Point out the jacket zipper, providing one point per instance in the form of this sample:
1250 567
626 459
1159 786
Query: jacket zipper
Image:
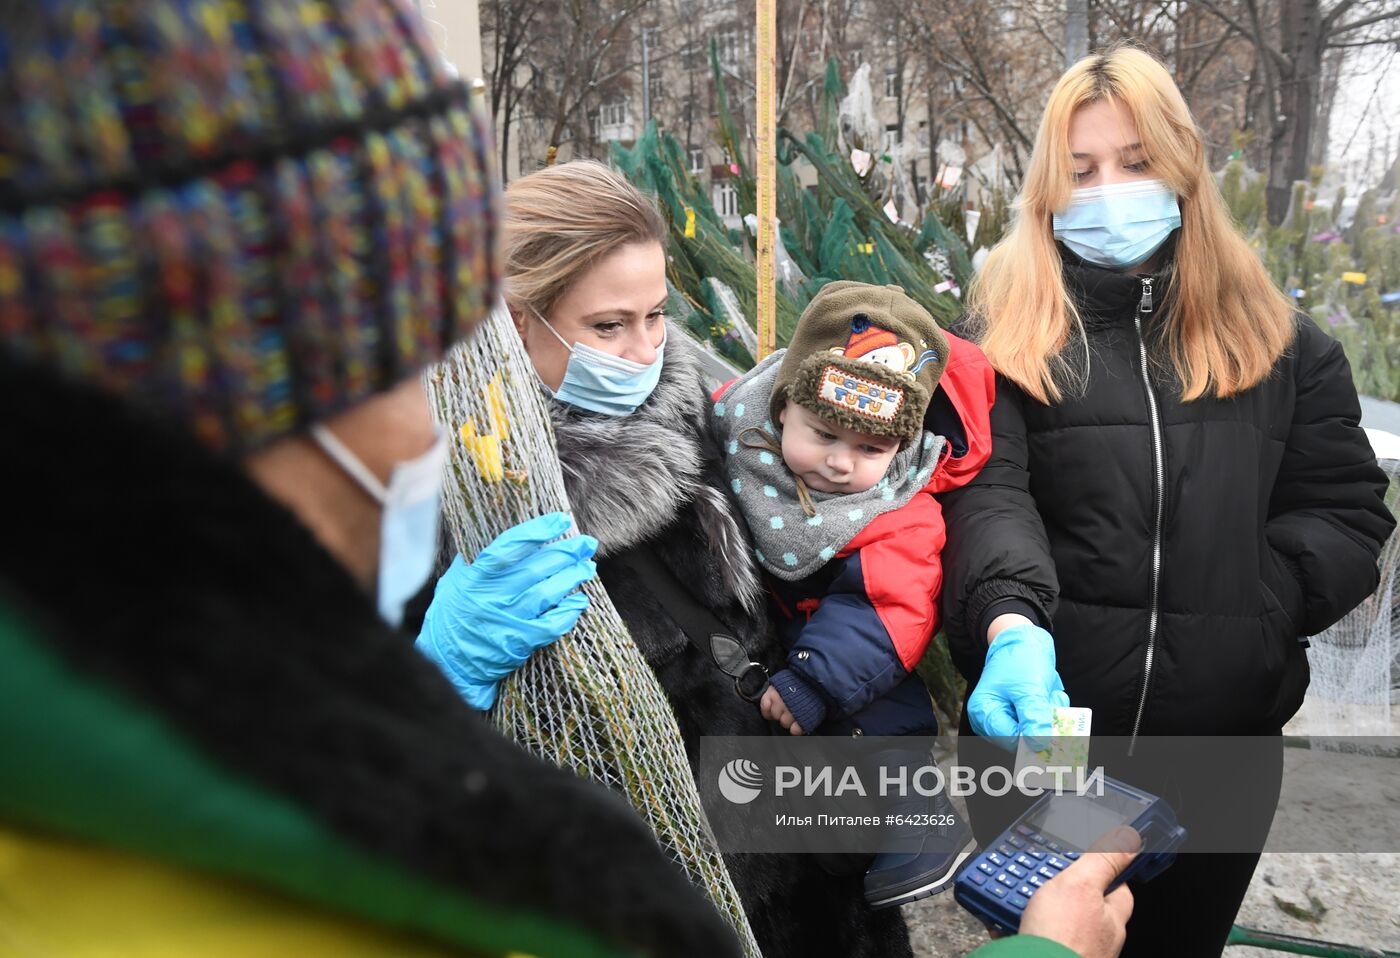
1159 475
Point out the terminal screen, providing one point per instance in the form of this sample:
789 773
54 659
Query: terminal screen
1079 820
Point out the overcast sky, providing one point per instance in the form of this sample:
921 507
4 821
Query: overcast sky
1366 115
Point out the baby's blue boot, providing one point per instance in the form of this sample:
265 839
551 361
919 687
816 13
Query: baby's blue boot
897 878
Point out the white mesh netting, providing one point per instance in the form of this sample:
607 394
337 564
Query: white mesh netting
589 702
859 124
733 314
1354 663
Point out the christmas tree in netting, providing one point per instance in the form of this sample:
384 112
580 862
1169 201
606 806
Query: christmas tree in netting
839 229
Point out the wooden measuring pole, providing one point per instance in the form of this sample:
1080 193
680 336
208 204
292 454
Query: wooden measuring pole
766 124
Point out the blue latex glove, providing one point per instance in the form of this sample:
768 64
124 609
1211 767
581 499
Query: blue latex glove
1019 685
487 617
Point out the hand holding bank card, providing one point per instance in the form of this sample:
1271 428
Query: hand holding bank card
1069 748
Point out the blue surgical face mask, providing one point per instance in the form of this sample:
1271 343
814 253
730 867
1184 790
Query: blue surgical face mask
408 528
1119 225
603 383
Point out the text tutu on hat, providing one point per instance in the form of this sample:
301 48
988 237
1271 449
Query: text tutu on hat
864 357
250 215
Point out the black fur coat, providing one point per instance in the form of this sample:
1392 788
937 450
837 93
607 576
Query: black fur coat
653 479
161 571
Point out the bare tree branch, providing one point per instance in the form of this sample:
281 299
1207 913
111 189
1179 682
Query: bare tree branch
1254 33
1335 14
1368 21
1377 42
1200 68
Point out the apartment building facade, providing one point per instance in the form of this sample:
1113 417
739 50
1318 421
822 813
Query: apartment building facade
912 118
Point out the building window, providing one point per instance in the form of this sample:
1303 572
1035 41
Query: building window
729 44
658 90
891 84
726 197
891 137
593 127
615 113
697 159
857 58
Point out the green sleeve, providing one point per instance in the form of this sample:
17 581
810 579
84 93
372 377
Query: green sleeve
1023 946
71 743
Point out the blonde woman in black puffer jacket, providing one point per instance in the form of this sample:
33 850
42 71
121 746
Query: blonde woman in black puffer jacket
1178 488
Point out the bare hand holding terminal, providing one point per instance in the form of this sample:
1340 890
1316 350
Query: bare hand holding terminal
1073 909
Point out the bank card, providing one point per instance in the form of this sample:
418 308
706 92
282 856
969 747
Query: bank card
1068 748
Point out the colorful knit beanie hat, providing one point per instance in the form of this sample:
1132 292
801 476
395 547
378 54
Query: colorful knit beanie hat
249 214
865 357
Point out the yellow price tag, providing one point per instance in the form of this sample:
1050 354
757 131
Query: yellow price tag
1358 278
486 455
689 223
496 408
485 452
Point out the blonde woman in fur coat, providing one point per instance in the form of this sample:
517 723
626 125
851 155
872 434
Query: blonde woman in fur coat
585 267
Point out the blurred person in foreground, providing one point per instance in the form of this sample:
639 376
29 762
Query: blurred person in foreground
222 225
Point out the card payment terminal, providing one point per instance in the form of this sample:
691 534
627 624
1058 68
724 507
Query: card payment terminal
999 882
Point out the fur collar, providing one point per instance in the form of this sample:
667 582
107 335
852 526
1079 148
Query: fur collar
628 478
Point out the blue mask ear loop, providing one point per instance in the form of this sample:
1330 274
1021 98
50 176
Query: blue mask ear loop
356 469
554 332
562 341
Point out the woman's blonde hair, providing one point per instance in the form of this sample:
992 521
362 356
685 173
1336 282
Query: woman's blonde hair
1226 323
563 219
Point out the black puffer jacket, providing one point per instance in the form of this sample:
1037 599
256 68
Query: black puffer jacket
1271 519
